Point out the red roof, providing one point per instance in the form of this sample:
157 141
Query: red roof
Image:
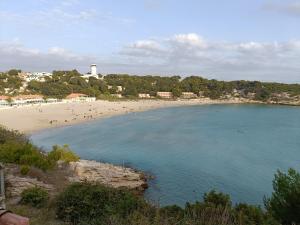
76 95
4 97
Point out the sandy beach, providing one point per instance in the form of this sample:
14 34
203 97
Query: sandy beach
32 118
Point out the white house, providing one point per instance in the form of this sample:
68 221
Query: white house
38 76
164 94
144 95
27 99
119 88
117 95
79 97
188 95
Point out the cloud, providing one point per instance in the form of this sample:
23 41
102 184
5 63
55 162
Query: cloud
192 54
180 54
15 55
289 8
62 14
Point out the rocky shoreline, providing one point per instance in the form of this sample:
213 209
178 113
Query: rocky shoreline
66 173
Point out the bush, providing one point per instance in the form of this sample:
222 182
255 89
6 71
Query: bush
217 199
24 169
16 148
284 203
36 197
63 153
11 135
92 203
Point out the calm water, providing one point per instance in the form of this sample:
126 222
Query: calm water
191 150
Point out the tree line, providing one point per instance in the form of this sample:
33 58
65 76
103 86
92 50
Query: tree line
63 83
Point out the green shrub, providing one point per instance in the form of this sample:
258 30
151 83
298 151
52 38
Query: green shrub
24 169
11 135
16 148
91 203
217 198
36 197
284 203
63 153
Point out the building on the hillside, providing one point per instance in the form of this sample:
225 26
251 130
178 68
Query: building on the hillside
119 89
92 73
27 99
37 76
144 95
4 100
94 70
79 97
188 95
164 94
117 95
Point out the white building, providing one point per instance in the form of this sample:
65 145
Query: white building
27 99
79 97
188 95
164 94
119 88
38 76
92 73
94 70
144 95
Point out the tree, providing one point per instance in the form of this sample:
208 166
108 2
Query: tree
176 92
13 72
217 199
284 203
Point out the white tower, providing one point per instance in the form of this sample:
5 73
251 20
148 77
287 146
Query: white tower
94 70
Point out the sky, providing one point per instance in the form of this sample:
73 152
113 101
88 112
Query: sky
226 40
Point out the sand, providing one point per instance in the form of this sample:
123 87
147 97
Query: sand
29 119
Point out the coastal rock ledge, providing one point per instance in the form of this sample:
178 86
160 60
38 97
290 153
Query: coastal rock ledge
107 174
66 173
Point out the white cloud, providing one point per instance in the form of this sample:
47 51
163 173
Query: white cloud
62 14
191 39
182 54
192 54
15 55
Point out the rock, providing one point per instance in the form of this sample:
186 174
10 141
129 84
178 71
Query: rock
83 170
15 185
107 174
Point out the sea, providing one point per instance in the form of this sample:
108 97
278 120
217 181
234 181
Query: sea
191 150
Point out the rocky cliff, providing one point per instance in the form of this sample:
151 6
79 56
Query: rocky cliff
65 173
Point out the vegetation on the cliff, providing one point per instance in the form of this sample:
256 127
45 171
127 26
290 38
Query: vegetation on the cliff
63 83
35 197
85 203
17 148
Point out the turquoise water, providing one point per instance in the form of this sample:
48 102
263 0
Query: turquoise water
191 150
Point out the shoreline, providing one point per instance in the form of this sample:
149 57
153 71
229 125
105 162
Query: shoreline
31 119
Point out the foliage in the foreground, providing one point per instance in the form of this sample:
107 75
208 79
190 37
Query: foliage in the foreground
63 153
284 203
95 204
35 197
24 170
38 216
16 148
